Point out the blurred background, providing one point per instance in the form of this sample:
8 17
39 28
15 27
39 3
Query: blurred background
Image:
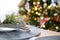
44 14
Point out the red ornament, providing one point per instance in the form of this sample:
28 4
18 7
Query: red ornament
59 19
56 18
46 18
42 22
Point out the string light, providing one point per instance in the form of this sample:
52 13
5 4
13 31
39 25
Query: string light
39 14
34 3
42 17
36 12
49 6
43 26
28 10
38 2
57 27
45 4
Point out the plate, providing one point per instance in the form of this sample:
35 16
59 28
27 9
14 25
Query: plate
3 29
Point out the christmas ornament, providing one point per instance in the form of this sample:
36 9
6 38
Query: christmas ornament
42 21
35 18
32 11
59 19
46 18
38 9
35 8
56 18
27 6
26 18
22 8
49 7
57 6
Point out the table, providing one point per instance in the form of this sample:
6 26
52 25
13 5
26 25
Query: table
49 38
46 33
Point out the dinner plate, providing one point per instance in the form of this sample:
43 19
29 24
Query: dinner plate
4 29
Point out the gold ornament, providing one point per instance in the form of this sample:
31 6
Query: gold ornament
39 9
32 8
49 7
28 12
32 11
57 6
35 8
22 8
35 18
26 18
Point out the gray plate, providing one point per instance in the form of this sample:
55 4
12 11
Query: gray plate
14 35
19 34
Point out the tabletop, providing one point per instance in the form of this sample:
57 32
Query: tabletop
45 33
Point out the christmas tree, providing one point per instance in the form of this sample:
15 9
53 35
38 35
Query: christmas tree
43 13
